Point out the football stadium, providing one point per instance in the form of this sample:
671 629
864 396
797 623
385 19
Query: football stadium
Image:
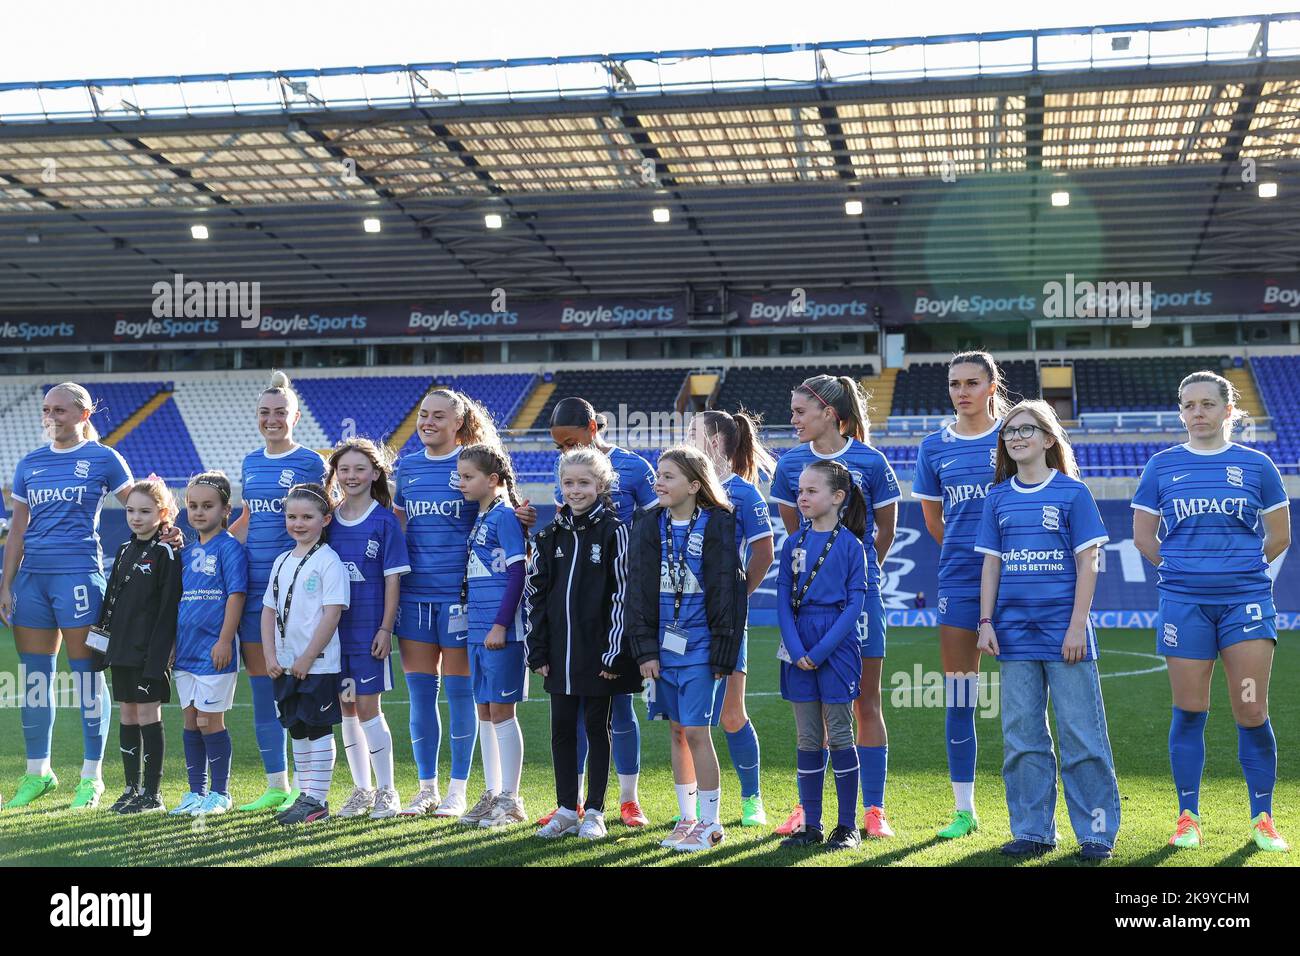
419 326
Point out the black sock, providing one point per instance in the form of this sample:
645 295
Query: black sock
128 736
152 755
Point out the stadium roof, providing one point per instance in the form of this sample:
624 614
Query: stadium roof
953 145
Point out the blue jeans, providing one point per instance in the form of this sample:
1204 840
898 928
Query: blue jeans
1029 762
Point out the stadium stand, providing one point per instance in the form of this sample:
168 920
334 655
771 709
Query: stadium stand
221 417
366 407
118 401
161 444
922 389
651 389
1278 379
766 390
1136 385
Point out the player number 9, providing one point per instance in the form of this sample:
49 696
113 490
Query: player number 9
82 597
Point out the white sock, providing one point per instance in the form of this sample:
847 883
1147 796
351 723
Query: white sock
40 766
456 788
510 744
709 801
582 788
317 771
686 793
278 780
964 794
487 746
92 770
627 787
354 745
430 784
301 756
380 744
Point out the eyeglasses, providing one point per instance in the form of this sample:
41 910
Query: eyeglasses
1012 432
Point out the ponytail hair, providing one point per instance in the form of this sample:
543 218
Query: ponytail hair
853 510
999 403
844 397
476 426
218 481
381 459
493 460
741 445
696 466
82 400
1060 456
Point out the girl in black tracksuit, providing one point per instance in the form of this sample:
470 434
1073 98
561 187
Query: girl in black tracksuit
139 615
575 636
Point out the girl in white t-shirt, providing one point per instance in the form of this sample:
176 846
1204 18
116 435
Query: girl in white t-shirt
304 600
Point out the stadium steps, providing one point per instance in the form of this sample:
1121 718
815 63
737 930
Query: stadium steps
1244 381
533 405
881 389
403 432
137 417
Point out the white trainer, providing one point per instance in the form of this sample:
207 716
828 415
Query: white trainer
452 806
474 814
427 799
386 805
593 826
562 823
507 810
680 832
703 836
358 803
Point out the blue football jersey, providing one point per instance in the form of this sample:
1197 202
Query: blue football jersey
438 519
210 573
958 470
1036 531
267 479
694 617
64 490
496 542
842 576
1209 503
753 522
870 471
371 548
633 488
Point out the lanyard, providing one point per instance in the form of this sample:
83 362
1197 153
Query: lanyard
110 599
469 551
283 619
796 599
676 563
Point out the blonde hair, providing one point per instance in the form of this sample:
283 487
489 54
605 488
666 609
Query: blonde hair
595 462
476 426
157 489
81 398
1059 456
280 385
696 466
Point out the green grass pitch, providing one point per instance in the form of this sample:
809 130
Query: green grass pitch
918 797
